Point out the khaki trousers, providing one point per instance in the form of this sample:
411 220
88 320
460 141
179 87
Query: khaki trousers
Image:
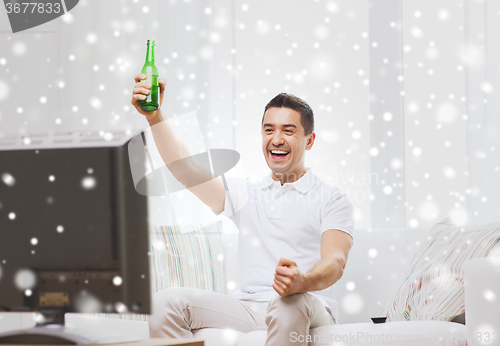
178 311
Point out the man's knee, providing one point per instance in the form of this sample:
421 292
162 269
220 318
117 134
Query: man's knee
173 298
293 306
294 301
167 303
289 309
170 316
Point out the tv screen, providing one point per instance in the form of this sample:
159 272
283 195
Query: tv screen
73 229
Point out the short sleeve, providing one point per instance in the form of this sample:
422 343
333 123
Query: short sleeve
338 213
236 196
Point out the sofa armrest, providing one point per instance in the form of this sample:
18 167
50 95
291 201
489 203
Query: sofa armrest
482 301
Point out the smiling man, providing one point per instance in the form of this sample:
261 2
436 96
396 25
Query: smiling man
295 234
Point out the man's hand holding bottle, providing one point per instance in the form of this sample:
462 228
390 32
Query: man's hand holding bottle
140 92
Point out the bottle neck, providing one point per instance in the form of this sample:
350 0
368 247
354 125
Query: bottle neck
150 54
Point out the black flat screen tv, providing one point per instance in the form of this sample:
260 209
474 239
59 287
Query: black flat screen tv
73 230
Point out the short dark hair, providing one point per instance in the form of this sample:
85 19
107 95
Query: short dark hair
297 104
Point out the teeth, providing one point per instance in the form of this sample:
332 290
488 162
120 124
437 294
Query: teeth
279 152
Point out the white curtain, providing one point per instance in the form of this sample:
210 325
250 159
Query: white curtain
434 80
410 134
482 52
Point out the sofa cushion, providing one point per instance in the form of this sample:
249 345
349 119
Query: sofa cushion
188 256
377 261
433 286
418 333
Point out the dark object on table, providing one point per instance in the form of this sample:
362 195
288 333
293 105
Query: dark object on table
459 319
379 319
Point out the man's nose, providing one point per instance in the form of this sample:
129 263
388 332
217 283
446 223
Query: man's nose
277 138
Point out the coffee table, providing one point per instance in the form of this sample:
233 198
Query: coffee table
161 342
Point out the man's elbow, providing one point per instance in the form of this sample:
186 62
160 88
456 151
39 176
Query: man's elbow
340 263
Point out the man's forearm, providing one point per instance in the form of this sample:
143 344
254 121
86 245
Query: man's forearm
324 274
175 153
169 145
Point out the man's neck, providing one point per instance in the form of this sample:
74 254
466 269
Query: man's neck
288 177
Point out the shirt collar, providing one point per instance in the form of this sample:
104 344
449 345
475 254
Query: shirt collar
302 185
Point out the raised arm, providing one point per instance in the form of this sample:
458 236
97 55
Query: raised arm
175 154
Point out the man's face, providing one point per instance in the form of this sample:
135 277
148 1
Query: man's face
284 142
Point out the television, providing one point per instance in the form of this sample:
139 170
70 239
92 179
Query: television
73 231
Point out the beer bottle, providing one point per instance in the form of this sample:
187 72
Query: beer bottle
151 103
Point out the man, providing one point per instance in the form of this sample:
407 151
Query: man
295 234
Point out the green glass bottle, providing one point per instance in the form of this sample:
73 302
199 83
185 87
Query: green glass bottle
151 103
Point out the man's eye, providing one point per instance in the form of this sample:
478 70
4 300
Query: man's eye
268 130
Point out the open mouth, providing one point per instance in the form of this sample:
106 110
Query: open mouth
279 154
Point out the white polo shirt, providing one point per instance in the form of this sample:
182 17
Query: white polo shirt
287 221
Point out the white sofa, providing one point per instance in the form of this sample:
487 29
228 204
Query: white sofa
376 263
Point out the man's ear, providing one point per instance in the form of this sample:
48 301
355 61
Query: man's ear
310 140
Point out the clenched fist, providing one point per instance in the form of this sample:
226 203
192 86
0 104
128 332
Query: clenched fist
288 279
